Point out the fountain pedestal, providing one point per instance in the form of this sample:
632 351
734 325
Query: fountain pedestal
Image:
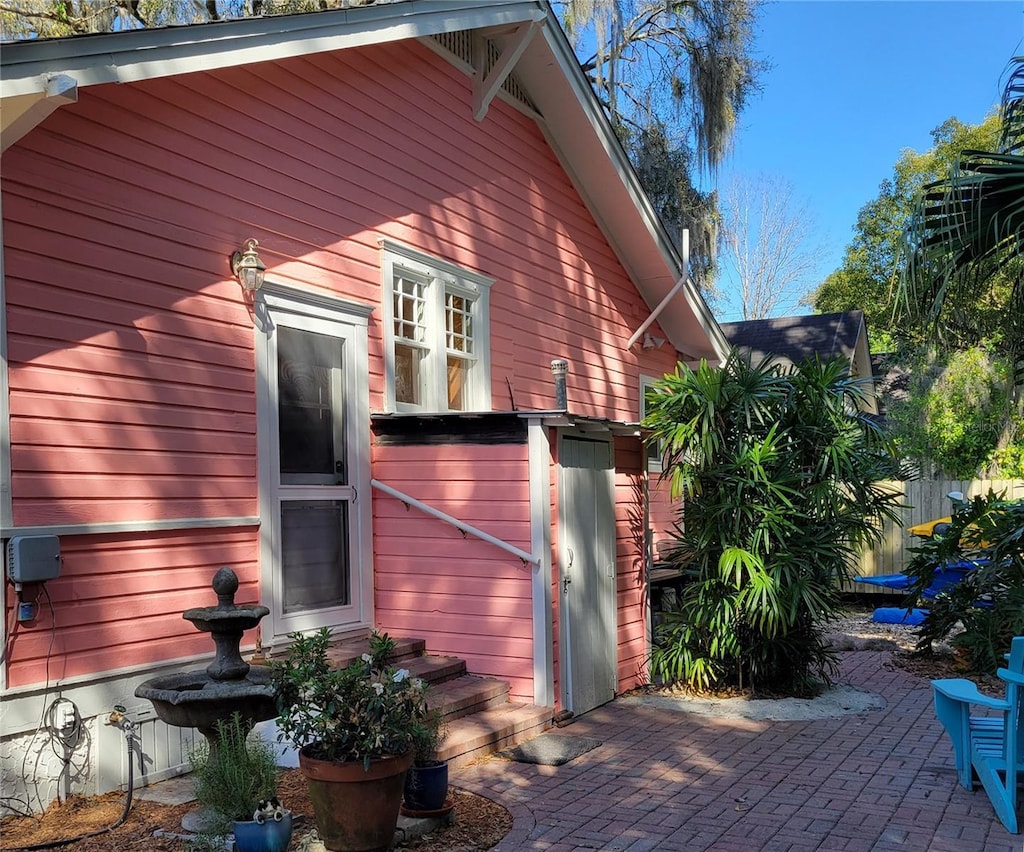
199 698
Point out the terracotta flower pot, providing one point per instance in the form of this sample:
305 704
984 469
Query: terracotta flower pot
356 809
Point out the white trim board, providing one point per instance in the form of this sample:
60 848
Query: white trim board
147 54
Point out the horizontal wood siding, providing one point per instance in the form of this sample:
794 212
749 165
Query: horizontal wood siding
130 345
464 596
125 417
631 579
663 513
119 600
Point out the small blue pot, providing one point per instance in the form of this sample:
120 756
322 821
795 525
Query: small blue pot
426 787
269 836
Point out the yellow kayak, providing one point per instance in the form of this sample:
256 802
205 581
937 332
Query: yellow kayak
927 529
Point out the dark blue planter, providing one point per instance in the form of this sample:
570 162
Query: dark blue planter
269 836
426 787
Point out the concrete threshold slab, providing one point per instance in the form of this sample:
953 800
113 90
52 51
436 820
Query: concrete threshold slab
174 791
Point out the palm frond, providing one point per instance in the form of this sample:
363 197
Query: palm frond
967 229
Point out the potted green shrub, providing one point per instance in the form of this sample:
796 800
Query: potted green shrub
354 729
236 782
426 783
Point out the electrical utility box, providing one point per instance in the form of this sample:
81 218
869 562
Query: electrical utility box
33 558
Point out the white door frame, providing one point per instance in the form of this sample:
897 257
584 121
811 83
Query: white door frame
280 305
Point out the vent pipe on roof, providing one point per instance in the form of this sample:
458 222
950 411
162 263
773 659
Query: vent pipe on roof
560 369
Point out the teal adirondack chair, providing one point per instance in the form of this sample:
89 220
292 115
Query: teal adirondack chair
990 747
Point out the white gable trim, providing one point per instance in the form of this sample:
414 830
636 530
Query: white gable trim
146 54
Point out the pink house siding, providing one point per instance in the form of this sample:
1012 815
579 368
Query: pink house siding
464 596
663 512
131 349
130 400
119 600
631 587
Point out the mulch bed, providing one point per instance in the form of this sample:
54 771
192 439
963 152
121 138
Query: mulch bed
478 823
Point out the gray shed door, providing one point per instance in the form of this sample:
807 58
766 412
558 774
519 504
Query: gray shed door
587 531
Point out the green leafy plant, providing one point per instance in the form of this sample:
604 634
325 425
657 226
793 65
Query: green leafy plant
232 779
781 481
988 603
956 411
428 733
1009 461
367 709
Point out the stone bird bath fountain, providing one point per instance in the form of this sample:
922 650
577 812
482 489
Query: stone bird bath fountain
198 698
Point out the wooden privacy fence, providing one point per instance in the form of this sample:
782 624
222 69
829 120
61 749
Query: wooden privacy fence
927 500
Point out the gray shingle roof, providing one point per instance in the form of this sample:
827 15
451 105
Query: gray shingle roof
797 338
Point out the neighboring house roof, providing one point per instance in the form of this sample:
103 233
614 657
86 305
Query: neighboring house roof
794 339
38 76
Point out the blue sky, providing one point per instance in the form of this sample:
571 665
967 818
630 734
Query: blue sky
853 83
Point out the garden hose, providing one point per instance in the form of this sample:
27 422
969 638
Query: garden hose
117 718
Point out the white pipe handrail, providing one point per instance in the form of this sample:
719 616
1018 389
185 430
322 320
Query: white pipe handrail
455 522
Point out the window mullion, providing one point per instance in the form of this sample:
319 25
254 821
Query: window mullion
438 371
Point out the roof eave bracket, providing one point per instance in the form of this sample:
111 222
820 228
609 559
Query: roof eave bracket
485 87
671 293
58 91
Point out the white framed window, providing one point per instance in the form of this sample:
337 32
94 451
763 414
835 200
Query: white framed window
654 448
436 322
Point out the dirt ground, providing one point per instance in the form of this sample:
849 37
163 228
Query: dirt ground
478 825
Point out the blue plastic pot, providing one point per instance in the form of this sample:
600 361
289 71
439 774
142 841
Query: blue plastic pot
426 787
268 836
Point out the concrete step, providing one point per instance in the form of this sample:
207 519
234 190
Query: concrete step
465 695
477 714
348 650
483 733
432 669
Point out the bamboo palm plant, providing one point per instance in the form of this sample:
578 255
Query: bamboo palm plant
782 482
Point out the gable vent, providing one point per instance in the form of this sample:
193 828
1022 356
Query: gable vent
459 45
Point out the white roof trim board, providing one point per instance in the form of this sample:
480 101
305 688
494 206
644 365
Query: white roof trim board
572 119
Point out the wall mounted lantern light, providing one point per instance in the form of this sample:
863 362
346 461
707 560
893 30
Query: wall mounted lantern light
247 267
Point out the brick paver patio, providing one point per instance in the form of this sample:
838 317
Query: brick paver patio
662 780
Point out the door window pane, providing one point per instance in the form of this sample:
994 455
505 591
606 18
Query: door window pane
314 554
309 403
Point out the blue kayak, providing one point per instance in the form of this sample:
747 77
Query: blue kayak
945 575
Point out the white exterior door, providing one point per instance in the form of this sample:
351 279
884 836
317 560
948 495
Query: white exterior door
589 657
314 465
